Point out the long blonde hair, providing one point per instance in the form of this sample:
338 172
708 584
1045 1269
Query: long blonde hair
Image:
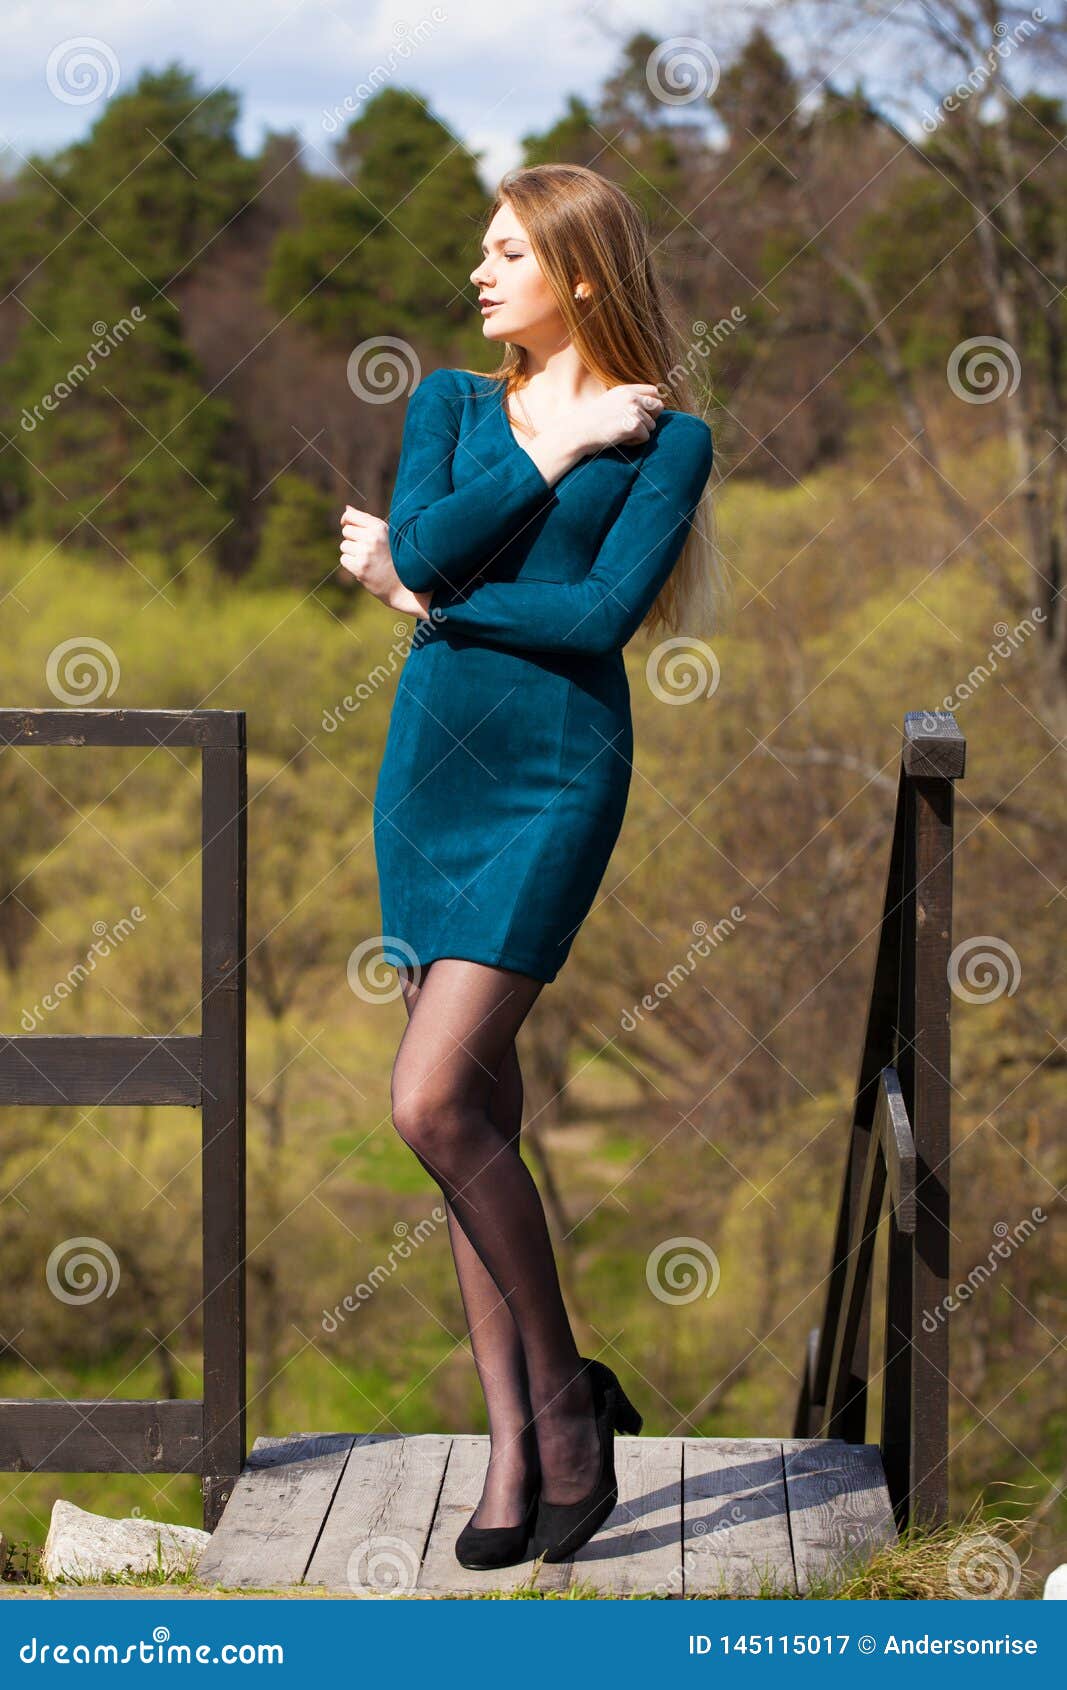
584 228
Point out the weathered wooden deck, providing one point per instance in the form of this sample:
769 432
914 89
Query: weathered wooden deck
378 1515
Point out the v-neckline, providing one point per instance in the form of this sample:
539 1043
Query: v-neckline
505 423
502 394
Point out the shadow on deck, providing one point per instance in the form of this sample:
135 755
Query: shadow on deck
379 1514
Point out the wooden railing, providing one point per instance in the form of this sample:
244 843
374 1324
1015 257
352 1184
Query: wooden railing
900 1131
205 1071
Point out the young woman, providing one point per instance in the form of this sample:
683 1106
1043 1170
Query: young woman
540 515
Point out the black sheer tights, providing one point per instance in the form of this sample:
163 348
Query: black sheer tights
457 1102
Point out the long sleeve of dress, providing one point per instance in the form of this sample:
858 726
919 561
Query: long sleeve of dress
438 535
601 612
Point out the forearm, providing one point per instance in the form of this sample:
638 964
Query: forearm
533 615
447 541
601 612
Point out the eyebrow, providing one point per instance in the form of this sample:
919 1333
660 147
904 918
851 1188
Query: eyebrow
501 239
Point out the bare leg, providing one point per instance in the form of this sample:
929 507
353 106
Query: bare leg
466 1016
514 1468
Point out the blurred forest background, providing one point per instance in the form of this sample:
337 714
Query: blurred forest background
870 298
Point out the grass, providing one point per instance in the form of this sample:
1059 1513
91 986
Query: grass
976 1557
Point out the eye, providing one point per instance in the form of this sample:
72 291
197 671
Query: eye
513 255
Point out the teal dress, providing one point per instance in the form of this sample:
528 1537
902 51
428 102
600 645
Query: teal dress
509 753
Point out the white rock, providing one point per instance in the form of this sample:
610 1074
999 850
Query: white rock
86 1546
1056 1583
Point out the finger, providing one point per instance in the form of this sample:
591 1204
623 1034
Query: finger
359 518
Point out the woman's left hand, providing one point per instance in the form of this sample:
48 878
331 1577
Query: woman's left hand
365 554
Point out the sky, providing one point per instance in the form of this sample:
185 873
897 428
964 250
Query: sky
490 70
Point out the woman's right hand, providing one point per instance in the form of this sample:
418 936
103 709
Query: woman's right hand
623 416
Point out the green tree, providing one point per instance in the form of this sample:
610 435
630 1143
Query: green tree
388 249
298 546
116 440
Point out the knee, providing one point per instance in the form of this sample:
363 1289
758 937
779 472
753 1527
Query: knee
430 1121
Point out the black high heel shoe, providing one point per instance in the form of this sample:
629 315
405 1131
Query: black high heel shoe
562 1527
497 1546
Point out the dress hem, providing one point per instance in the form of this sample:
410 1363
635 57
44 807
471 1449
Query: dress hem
492 959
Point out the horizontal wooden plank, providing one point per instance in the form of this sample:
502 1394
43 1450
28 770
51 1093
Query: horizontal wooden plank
122 727
377 1514
375 1535
74 1068
272 1521
735 1525
638 1549
119 1435
839 1508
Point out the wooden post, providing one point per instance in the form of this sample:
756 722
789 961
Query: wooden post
931 1117
223 872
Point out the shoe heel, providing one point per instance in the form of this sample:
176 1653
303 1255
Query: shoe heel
627 1419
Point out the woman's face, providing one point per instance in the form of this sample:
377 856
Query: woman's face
526 312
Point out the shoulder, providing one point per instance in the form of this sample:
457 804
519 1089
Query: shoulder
443 393
681 439
683 428
438 384
455 383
